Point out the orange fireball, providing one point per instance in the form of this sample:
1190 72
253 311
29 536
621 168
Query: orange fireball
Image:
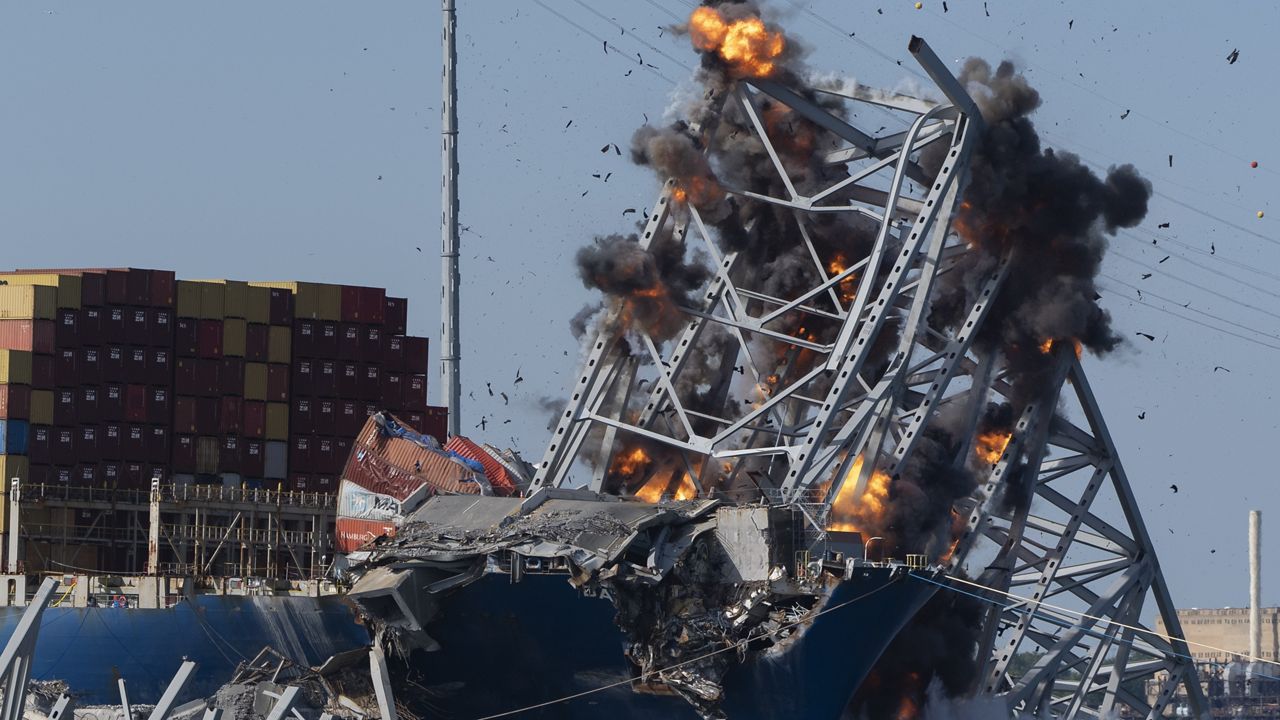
748 47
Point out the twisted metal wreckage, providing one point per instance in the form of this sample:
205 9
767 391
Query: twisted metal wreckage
1053 534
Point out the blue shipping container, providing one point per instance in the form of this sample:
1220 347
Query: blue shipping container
13 437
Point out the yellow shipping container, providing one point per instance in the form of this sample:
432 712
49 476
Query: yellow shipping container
277 421
28 302
67 286
14 466
15 367
255 381
279 340
188 299
212 301
233 337
235 296
312 301
41 407
257 304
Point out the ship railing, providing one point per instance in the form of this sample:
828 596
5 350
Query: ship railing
178 493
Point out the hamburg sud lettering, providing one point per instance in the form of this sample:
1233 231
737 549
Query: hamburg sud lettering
357 502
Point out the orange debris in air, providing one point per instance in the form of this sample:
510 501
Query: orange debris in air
850 513
991 445
748 47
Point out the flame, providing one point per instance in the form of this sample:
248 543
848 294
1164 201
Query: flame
630 463
907 707
660 485
991 445
848 513
746 46
848 287
1047 346
698 190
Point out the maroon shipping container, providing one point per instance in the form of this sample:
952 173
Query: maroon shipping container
351 304
207 371
90 325
93 289
40 474
66 327
136 331
254 463
87 444
184 376
64 367
64 406
131 476
135 403
348 380
392 390
160 327
230 455
163 288
324 416
207 411
255 419
395 318
135 365
300 454
370 409
117 287
277 383
435 422
42 372
393 353
322 456
86 475
370 382
257 342
280 309
324 483
15 403
158 444
111 402
63 475
209 338
109 474
87 409
415 419
373 305
371 339
415 354
134 442
299 482
111 441
304 377
159 409
113 325
230 415
326 340
184 415
304 338
160 367
186 337
139 287
89 366
111 360
341 449
30 335
40 444
325 380
64 444
350 418
184 454
231 376
415 392
300 416
348 342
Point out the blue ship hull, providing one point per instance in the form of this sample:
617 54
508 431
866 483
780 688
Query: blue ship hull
87 647
507 646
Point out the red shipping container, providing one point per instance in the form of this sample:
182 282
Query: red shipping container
349 380
255 419
350 418
87 410
137 330
30 335
299 482
325 380
111 402
134 443
415 392
348 342
89 366
66 330
40 444
64 444
300 421
42 372
300 454
64 367
303 378
392 390
64 406
93 289
184 415
131 476
86 475
117 287
40 474
304 338
371 344
277 383
416 420
135 403
341 449
370 409
254 463
186 337
111 441
415 354
15 403
158 444
139 286
112 362
87 444
230 415
184 377
324 416
113 324
257 342
231 376
326 340
109 474
351 304
230 455
396 315
63 475
322 456
135 365
281 307
163 287
207 384
324 484
209 340
160 367
160 327
393 353
184 454
207 411
90 325
159 410
370 382
373 305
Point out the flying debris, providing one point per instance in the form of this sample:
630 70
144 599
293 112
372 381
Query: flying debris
985 10
628 211
1170 161
518 378
1260 214
1148 336
1146 275
566 125
1163 225
484 423
944 6
1253 164
1166 257
505 400
1232 57
1125 114
1174 488
1212 250
1142 415
490 387
919 6
606 47
1070 23
1216 368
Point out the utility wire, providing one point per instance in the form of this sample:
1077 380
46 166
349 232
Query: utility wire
642 41
1143 293
1202 266
1199 251
1198 286
1197 322
605 43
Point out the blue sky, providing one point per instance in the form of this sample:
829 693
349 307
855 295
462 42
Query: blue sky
300 140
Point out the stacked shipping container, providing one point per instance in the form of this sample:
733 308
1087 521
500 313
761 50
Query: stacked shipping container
112 377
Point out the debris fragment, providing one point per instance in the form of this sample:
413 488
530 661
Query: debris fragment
1148 336
1163 225
1232 57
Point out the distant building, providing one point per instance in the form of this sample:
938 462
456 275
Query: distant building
1228 629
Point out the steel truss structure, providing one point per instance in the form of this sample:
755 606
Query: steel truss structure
1053 544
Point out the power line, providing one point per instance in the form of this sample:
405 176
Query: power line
1193 321
1206 268
618 25
605 43
1216 257
1198 286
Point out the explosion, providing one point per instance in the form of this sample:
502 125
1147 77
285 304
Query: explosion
991 445
850 513
748 47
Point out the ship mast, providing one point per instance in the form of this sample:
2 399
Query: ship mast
450 350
